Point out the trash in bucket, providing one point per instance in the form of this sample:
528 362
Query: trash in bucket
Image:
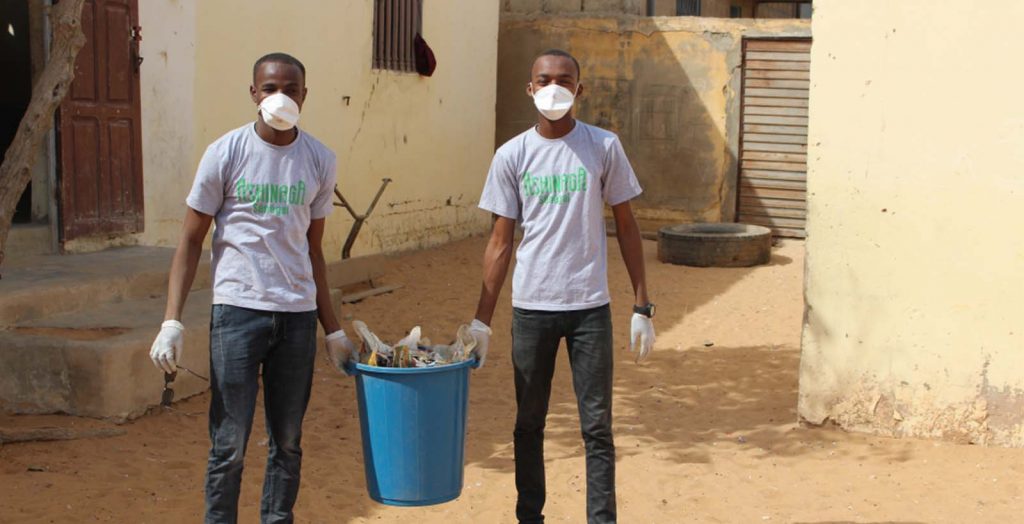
413 418
413 350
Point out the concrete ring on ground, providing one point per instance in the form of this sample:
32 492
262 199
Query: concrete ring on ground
719 244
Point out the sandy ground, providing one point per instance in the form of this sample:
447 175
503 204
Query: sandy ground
705 433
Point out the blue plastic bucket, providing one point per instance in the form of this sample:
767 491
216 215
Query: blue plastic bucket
413 424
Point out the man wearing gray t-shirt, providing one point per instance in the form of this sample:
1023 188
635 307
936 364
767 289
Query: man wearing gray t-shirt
268 187
554 180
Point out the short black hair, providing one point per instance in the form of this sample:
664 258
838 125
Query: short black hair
281 58
560 52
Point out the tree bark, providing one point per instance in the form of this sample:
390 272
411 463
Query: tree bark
47 94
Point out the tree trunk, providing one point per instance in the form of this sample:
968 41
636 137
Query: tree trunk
47 94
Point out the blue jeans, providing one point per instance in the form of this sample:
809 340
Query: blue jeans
244 343
588 338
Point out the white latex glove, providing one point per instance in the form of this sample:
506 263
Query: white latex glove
482 333
341 350
642 329
168 346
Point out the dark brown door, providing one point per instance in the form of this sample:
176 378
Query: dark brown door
100 133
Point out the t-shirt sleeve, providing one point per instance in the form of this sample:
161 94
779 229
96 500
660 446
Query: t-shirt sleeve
620 183
208 189
501 192
323 203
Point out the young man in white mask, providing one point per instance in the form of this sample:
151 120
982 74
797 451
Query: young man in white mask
555 180
268 187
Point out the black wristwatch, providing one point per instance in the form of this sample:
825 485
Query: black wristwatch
647 311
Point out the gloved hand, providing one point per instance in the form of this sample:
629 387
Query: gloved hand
642 329
168 346
341 350
482 333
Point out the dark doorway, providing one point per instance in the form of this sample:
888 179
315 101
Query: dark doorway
16 64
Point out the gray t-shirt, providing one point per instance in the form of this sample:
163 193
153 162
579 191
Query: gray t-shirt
557 189
262 198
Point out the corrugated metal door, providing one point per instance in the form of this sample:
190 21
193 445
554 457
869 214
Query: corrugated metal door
773 145
100 133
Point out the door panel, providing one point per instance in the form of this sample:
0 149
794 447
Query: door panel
100 132
773 145
84 141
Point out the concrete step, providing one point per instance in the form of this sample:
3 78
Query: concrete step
96 362
40 286
75 331
28 240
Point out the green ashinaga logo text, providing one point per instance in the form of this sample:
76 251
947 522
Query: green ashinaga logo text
554 189
271 199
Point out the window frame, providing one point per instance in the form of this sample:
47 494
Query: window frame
693 5
395 26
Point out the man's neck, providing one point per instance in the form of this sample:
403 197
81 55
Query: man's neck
273 136
557 128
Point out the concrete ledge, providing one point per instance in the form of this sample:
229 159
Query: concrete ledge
28 240
75 330
38 287
350 271
96 363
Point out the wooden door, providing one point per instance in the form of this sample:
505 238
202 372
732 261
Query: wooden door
100 127
773 145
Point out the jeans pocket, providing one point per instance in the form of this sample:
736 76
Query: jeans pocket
217 316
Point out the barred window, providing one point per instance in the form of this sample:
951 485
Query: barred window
783 10
395 24
688 7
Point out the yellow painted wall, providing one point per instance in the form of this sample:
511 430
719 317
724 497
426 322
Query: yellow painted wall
776 10
715 8
432 136
915 258
720 8
708 8
167 86
593 7
669 87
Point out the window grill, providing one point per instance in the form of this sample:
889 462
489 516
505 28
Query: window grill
688 7
395 24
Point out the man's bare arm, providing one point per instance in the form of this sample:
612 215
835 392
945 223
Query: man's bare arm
325 311
497 258
632 248
185 262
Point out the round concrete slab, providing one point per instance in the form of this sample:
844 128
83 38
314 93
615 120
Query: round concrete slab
715 244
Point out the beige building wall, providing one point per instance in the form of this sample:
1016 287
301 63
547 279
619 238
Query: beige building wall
774 10
669 87
432 136
915 258
716 8
566 7
169 116
708 8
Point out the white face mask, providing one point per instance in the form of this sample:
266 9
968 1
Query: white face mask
279 111
554 101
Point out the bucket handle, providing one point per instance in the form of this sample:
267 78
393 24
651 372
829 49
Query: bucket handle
350 369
